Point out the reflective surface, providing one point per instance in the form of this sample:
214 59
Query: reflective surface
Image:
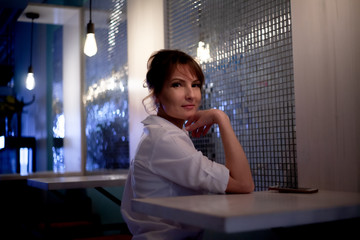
249 75
106 93
58 120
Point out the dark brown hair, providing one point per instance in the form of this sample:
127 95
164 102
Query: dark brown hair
162 64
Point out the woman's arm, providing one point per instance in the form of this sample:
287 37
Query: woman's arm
240 180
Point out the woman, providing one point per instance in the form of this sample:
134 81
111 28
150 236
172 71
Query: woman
166 162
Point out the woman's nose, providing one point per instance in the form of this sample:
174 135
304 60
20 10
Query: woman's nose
189 94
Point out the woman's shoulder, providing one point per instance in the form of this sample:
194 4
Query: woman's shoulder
160 129
161 137
159 123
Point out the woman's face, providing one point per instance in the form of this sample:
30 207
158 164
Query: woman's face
180 96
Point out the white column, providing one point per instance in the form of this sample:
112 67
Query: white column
72 92
145 35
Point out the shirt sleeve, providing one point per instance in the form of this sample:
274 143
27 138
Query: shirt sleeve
175 158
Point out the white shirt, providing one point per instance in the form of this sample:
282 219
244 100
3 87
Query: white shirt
167 164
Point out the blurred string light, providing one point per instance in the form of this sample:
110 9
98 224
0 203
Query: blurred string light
114 22
112 83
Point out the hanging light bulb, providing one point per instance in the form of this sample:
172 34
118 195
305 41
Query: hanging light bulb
30 79
90 47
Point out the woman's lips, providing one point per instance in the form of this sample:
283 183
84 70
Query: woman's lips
188 106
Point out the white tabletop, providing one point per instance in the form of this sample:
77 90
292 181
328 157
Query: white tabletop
255 211
91 181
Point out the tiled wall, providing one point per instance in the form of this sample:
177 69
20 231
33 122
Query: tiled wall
249 75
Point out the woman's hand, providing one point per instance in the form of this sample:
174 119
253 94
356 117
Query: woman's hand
200 123
240 180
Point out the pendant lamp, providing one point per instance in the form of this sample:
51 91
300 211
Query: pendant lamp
90 47
30 79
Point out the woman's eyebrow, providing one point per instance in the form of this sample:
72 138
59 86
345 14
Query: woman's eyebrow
177 79
182 79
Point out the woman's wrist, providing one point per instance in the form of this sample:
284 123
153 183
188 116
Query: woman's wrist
219 116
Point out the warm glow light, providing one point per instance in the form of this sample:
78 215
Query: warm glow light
105 85
203 52
90 47
2 142
30 81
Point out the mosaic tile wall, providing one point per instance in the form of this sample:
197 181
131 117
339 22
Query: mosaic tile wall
245 50
106 92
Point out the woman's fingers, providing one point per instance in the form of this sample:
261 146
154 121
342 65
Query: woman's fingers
192 124
207 128
199 129
200 124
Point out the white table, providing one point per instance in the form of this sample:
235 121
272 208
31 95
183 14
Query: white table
91 181
255 211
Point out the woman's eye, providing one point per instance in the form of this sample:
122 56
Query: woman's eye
175 85
197 85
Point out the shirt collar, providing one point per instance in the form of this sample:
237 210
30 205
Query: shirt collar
154 119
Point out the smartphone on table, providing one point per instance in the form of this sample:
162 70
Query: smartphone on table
293 190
